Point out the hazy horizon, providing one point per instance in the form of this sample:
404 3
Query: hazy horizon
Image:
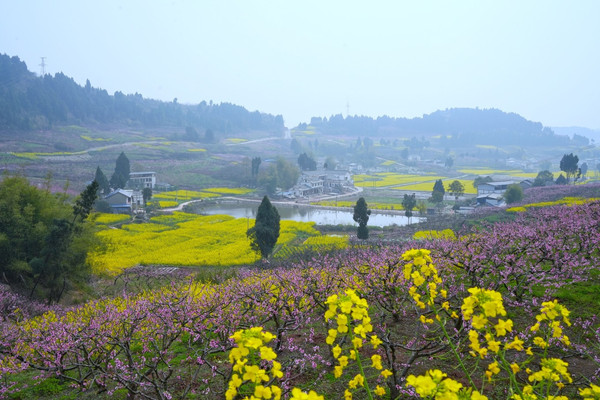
537 59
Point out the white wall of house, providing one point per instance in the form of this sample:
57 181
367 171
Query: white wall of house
143 179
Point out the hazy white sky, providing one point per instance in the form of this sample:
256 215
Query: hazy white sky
540 59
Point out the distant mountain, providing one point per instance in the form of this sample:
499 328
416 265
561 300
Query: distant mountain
571 131
459 125
31 102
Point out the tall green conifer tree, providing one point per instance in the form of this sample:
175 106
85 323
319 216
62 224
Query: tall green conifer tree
265 232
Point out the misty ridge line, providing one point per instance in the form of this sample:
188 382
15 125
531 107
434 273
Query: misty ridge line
29 102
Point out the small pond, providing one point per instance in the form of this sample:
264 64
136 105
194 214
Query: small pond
320 216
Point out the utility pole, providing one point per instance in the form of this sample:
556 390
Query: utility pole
43 65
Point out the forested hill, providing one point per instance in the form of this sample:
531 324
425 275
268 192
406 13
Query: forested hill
460 125
31 102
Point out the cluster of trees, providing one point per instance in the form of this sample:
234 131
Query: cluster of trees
44 239
119 178
280 174
306 162
569 164
30 102
461 125
456 188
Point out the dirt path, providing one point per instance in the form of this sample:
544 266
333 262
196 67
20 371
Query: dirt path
254 141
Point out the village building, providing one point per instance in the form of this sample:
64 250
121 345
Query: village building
142 179
491 199
493 187
318 182
492 193
500 187
123 201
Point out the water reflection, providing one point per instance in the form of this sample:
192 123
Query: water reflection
306 214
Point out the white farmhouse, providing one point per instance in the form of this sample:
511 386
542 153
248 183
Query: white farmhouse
324 181
142 179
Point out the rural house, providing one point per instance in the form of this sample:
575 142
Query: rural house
493 187
500 187
142 179
124 201
491 199
318 182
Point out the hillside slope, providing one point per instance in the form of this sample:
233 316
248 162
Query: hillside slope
30 102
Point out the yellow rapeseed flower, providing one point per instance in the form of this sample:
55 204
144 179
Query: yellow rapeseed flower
375 341
503 326
298 394
591 393
267 353
255 374
376 360
386 373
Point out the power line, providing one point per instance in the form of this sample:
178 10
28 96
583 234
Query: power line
43 65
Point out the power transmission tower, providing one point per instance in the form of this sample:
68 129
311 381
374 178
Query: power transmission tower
43 65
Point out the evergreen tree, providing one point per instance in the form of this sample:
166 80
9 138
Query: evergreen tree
439 186
121 175
103 184
361 215
265 232
437 196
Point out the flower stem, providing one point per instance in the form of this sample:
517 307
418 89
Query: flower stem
464 368
362 372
